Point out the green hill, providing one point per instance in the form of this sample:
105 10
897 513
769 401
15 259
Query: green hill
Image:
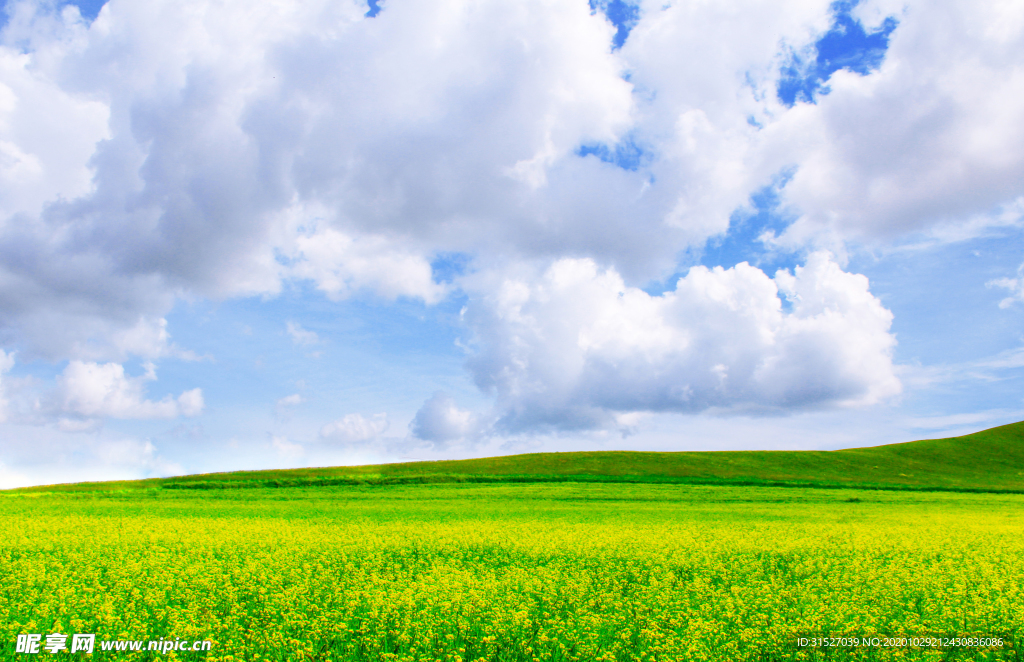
990 460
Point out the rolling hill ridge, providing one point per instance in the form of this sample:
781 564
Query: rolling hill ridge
989 461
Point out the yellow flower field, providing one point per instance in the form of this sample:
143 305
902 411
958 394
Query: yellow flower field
515 572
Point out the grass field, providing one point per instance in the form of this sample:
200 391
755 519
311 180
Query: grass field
524 571
990 460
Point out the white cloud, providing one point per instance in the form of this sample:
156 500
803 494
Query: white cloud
1015 285
355 428
43 155
201 149
47 455
200 128
217 149
576 347
290 401
140 455
439 420
356 179
148 339
994 368
190 403
930 139
287 449
102 390
301 336
702 71
341 264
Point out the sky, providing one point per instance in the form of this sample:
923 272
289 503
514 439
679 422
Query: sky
241 235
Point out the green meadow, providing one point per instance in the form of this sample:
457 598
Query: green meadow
911 551
990 460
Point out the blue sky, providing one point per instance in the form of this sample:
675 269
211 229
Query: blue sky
246 236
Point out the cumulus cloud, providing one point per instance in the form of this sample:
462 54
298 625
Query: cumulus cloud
84 394
43 156
223 149
355 428
928 140
305 140
340 265
208 162
148 338
102 390
576 347
439 420
703 122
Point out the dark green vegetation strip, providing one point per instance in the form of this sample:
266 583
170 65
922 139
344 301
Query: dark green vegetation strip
987 461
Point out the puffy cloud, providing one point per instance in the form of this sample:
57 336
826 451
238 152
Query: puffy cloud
576 347
220 149
210 137
43 156
355 428
439 420
214 149
190 403
148 339
928 140
703 72
102 390
84 394
340 264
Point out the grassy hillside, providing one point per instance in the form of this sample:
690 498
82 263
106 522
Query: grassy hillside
988 460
